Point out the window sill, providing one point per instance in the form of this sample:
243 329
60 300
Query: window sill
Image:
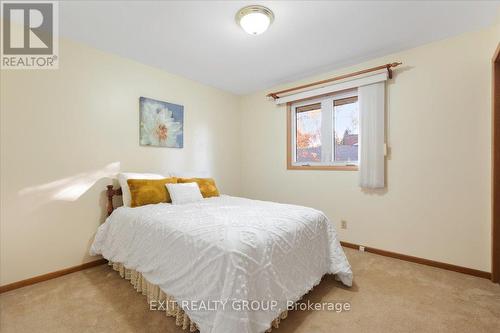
323 167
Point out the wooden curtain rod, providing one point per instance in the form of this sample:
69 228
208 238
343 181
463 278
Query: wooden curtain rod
389 67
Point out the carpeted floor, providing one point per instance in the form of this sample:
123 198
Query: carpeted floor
389 295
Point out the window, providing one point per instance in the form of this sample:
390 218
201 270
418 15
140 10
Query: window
308 133
346 120
323 133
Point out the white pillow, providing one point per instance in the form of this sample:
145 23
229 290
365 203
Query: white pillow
123 177
184 193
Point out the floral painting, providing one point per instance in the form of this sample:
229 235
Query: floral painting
161 123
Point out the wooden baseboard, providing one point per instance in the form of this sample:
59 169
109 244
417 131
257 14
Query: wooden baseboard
52 275
422 261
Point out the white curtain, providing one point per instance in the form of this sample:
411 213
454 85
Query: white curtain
372 135
334 87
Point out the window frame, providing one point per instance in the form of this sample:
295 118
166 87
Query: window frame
328 100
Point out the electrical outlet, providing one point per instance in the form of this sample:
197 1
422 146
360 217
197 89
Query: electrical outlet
343 224
362 248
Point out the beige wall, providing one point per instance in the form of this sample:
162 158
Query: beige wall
64 132
437 203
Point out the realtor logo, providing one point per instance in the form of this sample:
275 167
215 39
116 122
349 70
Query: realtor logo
29 35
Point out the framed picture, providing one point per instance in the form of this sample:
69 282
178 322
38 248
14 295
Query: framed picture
161 123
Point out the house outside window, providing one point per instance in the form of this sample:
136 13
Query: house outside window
323 133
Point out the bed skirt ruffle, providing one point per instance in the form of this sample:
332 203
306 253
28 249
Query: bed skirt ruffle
155 294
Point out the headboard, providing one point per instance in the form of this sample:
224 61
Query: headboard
110 193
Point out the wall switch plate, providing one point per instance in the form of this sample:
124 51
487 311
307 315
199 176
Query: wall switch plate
343 224
362 248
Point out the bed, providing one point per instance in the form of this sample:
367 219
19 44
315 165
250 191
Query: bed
223 264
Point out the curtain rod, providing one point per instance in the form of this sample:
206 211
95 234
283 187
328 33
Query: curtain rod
389 67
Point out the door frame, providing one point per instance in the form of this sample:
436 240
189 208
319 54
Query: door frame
495 156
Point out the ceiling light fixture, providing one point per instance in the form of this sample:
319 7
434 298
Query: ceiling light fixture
254 19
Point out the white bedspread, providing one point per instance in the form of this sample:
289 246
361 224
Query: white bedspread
226 248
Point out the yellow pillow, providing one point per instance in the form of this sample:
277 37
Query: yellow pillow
207 186
149 191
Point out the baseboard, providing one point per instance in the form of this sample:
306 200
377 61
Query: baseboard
52 275
422 261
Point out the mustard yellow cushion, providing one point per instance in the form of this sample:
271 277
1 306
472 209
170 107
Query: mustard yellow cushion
149 191
207 186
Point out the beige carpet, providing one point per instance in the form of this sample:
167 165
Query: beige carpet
389 295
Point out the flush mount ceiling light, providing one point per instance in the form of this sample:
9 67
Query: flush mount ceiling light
254 19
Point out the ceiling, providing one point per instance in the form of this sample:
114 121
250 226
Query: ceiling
200 40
